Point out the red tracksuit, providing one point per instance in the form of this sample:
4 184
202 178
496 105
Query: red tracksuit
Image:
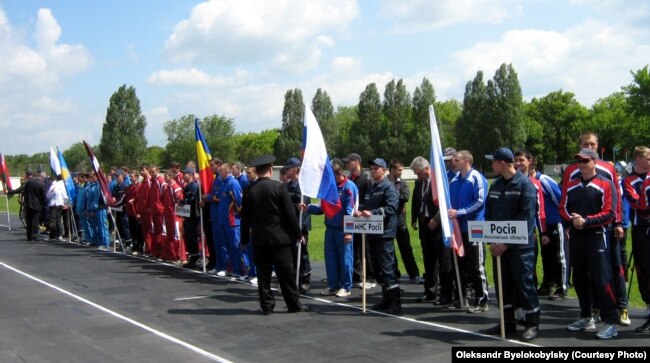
156 212
173 248
142 208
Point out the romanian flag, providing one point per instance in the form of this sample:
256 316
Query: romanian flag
101 178
203 155
67 178
316 174
4 171
451 234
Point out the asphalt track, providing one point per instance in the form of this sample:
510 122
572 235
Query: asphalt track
64 302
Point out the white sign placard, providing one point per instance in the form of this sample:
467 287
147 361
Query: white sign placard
183 210
370 225
510 232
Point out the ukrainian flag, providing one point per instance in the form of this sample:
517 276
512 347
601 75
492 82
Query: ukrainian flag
203 155
67 178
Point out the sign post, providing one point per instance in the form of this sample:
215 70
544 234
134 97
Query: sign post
365 225
506 232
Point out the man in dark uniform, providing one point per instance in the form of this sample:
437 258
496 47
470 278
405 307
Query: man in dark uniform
382 199
267 213
292 170
34 200
191 224
512 196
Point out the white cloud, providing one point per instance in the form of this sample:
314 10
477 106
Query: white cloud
346 65
592 59
31 104
252 32
195 77
419 15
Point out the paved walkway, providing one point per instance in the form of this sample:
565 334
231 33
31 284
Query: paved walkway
63 302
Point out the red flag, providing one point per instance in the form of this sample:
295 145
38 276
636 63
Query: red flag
4 170
101 178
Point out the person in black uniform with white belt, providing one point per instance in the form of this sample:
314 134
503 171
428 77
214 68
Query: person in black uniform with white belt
267 213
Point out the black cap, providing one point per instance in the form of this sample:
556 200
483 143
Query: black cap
502 154
29 173
338 162
263 160
352 157
379 162
586 153
293 162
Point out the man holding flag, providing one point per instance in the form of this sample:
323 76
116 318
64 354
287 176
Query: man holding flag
513 197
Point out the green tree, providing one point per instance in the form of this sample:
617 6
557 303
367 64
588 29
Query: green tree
448 113
123 141
155 155
423 96
397 115
638 100
368 127
250 145
616 127
181 142
505 107
345 118
560 115
473 126
321 106
76 157
289 142
534 136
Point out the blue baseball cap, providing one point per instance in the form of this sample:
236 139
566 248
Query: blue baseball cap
379 162
502 154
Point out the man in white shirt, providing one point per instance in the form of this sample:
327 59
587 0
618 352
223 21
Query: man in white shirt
56 195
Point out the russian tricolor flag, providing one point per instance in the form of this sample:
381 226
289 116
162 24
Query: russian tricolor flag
451 234
316 176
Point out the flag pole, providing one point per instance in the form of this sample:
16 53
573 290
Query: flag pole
299 246
363 273
198 180
500 282
458 282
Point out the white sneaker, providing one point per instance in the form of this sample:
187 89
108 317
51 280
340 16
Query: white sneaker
607 332
60 239
221 273
582 324
253 281
342 293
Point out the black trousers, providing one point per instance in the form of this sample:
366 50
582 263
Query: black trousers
438 276
403 239
555 264
472 270
207 231
280 257
136 234
33 217
191 228
54 220
592 274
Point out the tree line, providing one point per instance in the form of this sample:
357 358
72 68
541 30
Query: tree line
493 113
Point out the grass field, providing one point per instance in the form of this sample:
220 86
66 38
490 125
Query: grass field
316 238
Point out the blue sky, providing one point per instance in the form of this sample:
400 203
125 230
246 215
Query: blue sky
60 61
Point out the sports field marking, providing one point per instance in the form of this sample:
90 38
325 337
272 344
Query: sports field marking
168 337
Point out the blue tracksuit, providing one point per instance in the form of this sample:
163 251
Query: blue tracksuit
339 256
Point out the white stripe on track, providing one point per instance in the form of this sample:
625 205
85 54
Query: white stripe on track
122 317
